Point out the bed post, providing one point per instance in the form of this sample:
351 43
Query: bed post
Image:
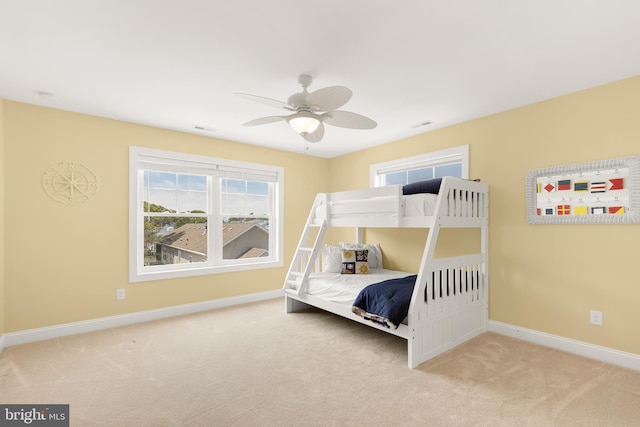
293 305
417 308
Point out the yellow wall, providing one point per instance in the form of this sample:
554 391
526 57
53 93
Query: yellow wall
542 277
66 262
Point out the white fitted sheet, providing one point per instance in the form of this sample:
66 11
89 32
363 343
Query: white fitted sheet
344 288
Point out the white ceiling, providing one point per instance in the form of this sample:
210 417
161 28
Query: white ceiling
178 64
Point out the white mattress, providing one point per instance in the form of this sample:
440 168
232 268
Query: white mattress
422 204
343 288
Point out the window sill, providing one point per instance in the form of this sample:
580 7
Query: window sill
145 276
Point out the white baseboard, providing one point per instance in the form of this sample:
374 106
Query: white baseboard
591 351
39 334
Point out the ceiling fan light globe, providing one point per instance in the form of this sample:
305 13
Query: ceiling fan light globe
304 124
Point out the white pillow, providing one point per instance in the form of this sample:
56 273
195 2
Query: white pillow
331 259
375 253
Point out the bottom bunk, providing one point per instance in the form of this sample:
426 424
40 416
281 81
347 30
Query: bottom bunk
336 293
447 304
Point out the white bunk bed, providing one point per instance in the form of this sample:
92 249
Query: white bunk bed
449 302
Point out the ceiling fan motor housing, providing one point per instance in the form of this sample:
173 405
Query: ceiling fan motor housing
298 100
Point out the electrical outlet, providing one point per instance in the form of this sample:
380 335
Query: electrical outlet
120 294
596 317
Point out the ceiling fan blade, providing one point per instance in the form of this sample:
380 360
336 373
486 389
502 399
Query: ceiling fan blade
328 98
347 119
263 120
316 135
266 101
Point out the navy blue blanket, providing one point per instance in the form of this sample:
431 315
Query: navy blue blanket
386 302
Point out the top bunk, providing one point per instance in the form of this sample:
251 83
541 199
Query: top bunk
452 202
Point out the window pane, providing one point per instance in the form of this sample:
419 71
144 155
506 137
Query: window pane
419 175
245 197
233 186
192 201
165 200
153 179
395 178
175 240
241 205
257 187
192 182
257 205
153 208
449 170
245 239
172 192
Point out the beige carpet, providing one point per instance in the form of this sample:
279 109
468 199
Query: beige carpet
255 365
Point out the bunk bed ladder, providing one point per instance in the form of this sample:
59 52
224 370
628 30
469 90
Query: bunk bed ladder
305 257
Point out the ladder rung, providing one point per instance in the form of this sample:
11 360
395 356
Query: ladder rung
305 249
297 274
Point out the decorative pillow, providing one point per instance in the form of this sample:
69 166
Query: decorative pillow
331 259
375 253
428 186
354 261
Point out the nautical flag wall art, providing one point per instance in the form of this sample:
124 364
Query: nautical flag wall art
547 187
616 184
584 193
596 192
616 210
548 211
598 186
581 186
580 210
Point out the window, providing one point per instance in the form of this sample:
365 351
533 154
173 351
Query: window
450 162
192 215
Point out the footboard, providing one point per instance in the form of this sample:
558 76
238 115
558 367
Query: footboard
449 306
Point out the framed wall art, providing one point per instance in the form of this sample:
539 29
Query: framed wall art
600 192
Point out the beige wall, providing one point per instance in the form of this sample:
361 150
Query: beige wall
542 277
64 263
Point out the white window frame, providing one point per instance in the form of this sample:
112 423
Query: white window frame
138 272
458 154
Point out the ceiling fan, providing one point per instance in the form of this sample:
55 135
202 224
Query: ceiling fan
311 110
